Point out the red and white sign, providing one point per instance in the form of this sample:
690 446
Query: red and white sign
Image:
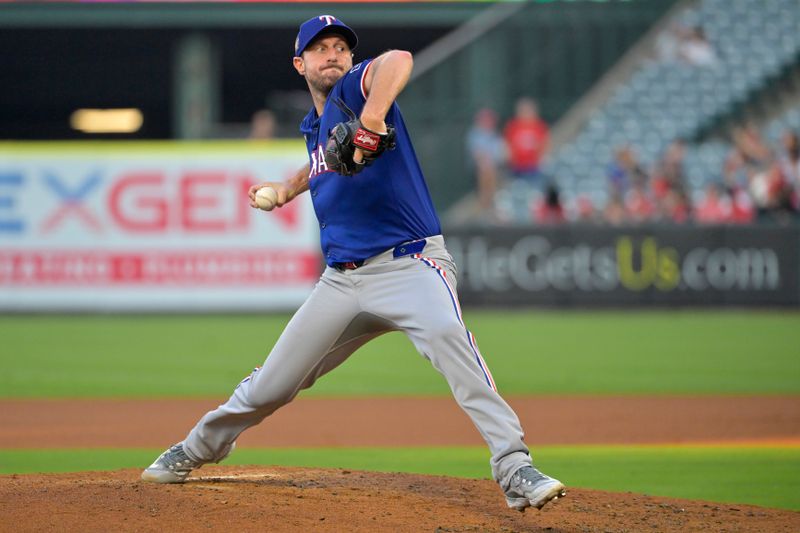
160 227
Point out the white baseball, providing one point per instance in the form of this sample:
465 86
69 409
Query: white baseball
266 198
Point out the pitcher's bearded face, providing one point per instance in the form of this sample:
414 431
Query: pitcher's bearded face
324 62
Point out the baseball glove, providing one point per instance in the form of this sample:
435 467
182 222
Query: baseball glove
345 137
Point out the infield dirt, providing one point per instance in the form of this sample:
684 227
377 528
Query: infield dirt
278 499
408 421
300 500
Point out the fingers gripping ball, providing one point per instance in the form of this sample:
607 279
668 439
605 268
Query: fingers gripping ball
266 198
346 137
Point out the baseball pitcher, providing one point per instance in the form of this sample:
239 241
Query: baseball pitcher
387 267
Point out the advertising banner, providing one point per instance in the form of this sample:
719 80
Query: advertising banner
658 265
151 227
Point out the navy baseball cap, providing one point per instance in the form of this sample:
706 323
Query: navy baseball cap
310 29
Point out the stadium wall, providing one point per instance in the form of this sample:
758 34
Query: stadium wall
154 226
579 266
164 226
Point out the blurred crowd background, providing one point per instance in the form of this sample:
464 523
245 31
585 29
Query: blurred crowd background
524 112
757 180
579 152
703 128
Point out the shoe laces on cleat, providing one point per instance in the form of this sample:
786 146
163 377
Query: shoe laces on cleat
527 477
176 460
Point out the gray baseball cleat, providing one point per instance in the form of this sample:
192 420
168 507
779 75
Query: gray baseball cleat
173 466
531 488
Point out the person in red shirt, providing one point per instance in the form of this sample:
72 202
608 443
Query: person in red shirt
715 207
528 139
742 211
676 207
639 205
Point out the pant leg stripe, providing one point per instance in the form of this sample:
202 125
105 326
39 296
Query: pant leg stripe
470 337
245 380
442 274
482 361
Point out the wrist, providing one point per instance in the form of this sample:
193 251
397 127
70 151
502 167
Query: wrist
373 122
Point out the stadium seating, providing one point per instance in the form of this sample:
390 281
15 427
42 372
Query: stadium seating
666 99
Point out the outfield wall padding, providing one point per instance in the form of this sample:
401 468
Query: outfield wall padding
578 266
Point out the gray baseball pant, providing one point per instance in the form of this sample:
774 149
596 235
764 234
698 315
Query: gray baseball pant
414 293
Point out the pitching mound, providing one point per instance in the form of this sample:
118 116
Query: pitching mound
296 499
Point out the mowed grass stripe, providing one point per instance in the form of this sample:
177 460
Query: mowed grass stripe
766 476
529 352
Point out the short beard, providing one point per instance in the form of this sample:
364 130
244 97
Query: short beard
322 84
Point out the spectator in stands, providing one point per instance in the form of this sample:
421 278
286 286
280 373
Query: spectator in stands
549 209
583 210
262 125
670 170
750 143
487 152
676 207
695 49
528 139
639 205
750 155
733 170
772 194
715 207
685 44
624 171
614 211
789 162
668 42
742 211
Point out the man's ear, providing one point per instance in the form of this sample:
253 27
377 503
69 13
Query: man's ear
299 65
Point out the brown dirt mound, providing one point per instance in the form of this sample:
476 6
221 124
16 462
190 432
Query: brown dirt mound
293 499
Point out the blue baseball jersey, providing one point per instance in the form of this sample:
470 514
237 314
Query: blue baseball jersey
384 205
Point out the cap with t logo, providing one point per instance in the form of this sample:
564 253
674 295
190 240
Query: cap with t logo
316 26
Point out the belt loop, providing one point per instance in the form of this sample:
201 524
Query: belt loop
348 265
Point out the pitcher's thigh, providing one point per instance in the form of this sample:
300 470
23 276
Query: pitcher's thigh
311 334
421 300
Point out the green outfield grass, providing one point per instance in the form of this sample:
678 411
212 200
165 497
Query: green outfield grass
759 476
529 352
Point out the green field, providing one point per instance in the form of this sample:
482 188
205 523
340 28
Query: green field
649 352
528 353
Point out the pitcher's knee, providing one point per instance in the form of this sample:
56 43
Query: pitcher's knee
263 395
272 399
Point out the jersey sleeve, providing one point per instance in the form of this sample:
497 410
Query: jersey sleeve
353 89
